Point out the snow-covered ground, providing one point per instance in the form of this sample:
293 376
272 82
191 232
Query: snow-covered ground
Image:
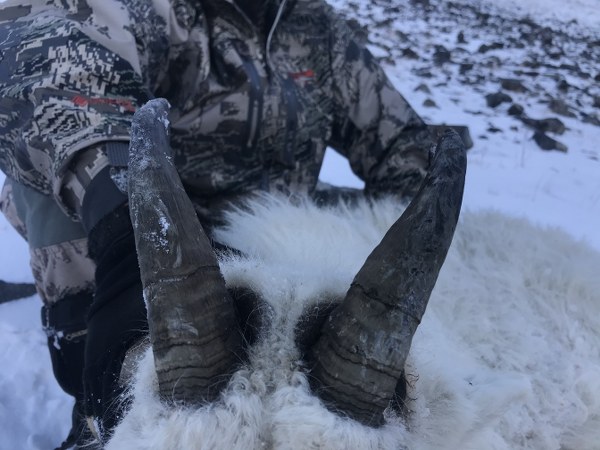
584 12
507 172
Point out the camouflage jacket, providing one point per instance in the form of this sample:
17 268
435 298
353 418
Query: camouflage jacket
248 111
253 106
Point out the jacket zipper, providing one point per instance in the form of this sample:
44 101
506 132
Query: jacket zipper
255 106
256 96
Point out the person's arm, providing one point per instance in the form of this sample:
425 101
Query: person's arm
67 83
384 139
70 82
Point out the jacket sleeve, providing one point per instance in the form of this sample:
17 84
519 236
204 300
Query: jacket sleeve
385 141
69 79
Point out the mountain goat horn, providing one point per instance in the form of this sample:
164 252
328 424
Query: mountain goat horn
360 356
191 317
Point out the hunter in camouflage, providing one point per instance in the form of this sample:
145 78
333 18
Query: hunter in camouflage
246 114
257 92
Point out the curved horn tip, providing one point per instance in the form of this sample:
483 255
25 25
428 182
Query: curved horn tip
361 353
152 109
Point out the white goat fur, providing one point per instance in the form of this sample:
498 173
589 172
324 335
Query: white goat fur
507 355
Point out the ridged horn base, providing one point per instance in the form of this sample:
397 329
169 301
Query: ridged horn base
191 316
360 356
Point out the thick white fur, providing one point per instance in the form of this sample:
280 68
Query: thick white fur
507 356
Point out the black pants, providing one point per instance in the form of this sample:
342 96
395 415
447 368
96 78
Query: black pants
66 328
116 320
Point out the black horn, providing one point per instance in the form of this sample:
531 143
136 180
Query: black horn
192 323
360 356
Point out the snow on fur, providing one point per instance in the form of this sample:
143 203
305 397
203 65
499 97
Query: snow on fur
507 356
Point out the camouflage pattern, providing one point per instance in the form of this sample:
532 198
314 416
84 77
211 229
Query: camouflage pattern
80 173
61 267
62 87
59 259
253 107
264 114
62 270
9 209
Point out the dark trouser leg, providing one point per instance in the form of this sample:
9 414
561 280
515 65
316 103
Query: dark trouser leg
64 323
117 316
65 327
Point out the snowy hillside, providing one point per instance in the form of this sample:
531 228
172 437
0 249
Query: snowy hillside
446 58
452 61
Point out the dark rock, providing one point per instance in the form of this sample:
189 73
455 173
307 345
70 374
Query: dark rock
409 53
423 88
551 125
497 98
560 107
423 72
463 52
465 67
563 85
474 112
484 17
460 38
402 36
528 37
484 48
493 129
492 62
546 36
441 55
386 22
429 103
586 56
571 68
590 118
529 73
474 80
515 109
14 291
528 22
547 143
597 101
555 53
533 64
512 84
597 77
